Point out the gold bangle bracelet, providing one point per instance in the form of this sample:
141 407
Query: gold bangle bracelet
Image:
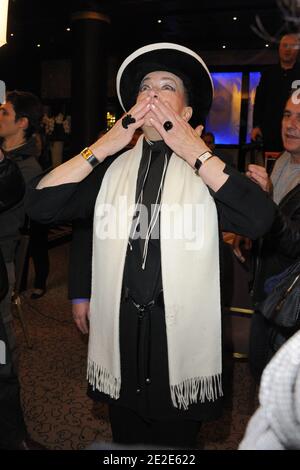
88 155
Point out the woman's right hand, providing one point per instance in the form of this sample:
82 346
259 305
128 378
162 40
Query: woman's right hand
118 137
76 169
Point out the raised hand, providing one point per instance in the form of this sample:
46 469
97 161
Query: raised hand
122 132
180 137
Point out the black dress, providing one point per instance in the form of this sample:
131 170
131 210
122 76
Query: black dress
243 207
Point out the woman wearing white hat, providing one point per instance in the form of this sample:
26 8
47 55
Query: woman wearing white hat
155 316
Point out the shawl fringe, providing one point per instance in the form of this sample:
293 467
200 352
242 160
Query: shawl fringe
102 380
196 389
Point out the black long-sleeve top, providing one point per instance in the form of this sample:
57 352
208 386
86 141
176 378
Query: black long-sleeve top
242 207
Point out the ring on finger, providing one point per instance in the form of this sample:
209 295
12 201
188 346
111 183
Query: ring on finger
167 125
127 120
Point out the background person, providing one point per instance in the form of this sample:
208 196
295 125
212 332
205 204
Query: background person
281 246
19 118
13 432
273 91
209 139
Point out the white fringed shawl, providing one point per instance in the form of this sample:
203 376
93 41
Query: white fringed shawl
190 277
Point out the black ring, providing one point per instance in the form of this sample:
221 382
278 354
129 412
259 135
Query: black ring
127 120
168 126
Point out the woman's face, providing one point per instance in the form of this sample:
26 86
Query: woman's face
168 88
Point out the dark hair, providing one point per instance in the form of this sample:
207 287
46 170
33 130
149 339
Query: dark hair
27 105
209 134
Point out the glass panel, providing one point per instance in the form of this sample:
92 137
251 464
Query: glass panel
224 117
254 78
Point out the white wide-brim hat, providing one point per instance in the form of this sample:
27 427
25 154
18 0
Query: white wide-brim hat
164 56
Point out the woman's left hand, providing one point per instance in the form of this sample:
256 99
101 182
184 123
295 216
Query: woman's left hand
181 138
187 143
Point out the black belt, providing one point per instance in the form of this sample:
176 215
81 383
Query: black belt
144 314
159 301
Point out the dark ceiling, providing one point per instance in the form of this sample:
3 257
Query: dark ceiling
204 24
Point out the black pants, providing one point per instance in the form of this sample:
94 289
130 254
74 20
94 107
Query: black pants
12 425
130 428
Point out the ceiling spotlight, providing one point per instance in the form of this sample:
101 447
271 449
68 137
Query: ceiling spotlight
38 45
266 45
159 21
68 29
234 18
224 47
11 35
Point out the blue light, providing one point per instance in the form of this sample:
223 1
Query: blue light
224 117
254 78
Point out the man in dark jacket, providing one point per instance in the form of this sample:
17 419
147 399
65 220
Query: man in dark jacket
13 432
20 117
273 91
281 246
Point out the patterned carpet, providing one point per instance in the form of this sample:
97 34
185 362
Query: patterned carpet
57 411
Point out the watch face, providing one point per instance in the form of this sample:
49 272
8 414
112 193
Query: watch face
205 157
